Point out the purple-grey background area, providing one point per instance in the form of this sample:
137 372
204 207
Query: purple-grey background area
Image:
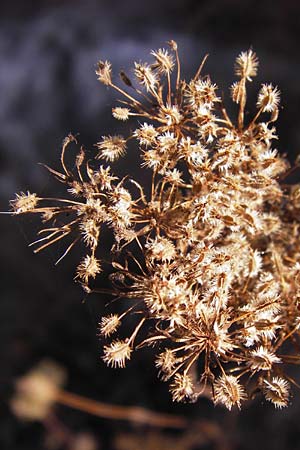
48 88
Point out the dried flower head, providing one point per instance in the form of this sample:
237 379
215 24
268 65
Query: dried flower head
117 353
206 257
268 98
246 65
111 147
228 391
104 72
182 388
146 76
263 359
121 113
109 325
24 203
164 61
277 391
88 268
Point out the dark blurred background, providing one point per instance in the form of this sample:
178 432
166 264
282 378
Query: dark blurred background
48 88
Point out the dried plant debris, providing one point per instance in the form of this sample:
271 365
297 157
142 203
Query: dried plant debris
207 258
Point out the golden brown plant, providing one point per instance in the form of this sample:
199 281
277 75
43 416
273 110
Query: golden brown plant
209 255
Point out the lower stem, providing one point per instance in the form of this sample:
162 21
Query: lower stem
116 412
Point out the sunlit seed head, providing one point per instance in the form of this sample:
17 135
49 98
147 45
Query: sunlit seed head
229 392
111 147
88 268
146 76
246 65
121 113
117 353
109 325
263 359
24 202
277 391
104 72
182 387
164 61
268 98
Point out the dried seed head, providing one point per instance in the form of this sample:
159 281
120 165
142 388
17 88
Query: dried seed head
161 249
90 231
109 325
268 98
164 61
117 353
24 203
146 134
237 92
276 391
246 65
202 93
182 388
88 268
216 232
166 362
263 359
121 113
173 176
111 148
228 391
104 72
172 114
146 76
37 391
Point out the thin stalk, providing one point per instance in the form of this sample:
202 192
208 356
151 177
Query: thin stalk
116 412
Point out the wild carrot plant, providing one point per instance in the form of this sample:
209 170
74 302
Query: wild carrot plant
206 259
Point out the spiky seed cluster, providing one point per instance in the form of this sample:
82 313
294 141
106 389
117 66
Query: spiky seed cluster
109 325
246 65
111 147
24 203
117 353
209 254
228 391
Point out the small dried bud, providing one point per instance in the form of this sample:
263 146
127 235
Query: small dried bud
172 44
125 79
